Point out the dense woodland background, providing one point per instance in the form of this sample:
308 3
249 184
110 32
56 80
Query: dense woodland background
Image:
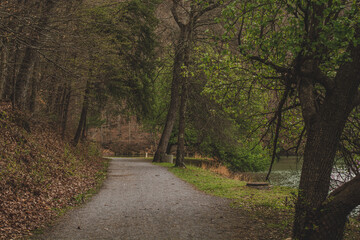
241 82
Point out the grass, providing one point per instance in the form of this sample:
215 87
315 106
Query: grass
274 206
243 196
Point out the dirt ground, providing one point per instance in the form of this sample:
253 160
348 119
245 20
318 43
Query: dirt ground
143 201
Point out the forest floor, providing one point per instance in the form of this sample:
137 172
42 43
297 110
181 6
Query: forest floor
41 175
143 201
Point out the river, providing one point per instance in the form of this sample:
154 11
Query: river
287 171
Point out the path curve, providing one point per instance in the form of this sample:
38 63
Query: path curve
143 201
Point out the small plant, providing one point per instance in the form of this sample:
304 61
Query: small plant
93 149
80 198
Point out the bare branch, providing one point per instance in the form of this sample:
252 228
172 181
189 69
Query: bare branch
278 68
207 9
300 140
278 126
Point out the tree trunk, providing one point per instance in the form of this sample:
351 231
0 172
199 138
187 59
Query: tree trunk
34 86
174 101
83 115
55 99
24 75
61 103
23 78
84 130
319 215
10 86
4 69
180 153
65 112
182 54
321 146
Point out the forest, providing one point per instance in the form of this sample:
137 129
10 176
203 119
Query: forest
241 82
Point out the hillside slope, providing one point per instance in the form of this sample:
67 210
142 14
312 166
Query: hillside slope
40 174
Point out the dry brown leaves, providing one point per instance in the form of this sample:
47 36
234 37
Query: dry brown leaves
39 173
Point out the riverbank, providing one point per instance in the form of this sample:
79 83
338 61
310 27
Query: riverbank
274 207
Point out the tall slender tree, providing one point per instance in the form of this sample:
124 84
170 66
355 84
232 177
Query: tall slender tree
187 16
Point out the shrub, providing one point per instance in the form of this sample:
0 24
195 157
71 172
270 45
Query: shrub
242 157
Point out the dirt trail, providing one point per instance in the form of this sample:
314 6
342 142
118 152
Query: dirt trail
143 201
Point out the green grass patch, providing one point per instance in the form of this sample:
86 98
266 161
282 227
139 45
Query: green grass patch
274 206
279 198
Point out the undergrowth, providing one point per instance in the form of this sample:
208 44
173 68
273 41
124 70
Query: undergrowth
40 174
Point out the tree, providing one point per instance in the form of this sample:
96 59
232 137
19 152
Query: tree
33 18
231 113
119 57
308 51
187 16
68 64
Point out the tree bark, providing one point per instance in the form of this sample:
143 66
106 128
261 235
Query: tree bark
336 209
180 153
319 215
82 121
319 155
9 93
23 78
4 69
174 101
84 130
65 111
34 86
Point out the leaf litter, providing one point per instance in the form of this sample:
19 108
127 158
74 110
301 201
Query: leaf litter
40 174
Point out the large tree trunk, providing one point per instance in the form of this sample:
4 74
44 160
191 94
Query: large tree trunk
319 215
174 101
321 145
180 153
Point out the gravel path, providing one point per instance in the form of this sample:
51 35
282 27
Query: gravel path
143 201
